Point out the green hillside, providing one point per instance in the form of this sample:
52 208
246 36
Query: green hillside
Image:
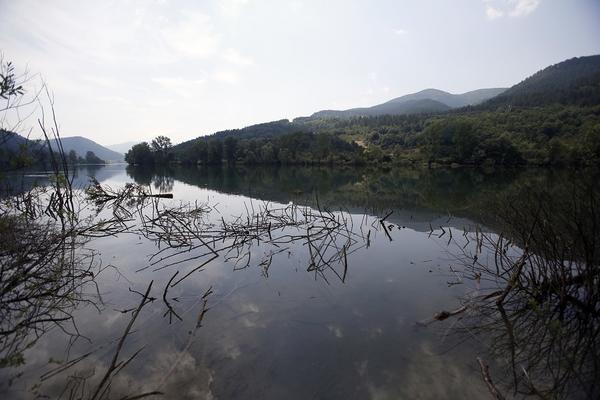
551 118
425 101
571 82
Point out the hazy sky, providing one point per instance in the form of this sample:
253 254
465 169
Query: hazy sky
127 70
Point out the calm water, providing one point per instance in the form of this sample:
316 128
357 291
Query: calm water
279 331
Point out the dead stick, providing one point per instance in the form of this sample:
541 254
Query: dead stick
485 371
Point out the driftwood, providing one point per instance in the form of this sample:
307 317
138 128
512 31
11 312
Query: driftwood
442 315
485 371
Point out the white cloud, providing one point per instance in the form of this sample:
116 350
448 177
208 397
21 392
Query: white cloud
192 36
234 57
493 13
232 8
495 9
523 7
400 32
336 330
115 100
226 76
103 81
296 6
182 87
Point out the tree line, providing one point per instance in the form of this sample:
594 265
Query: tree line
549 135
293 148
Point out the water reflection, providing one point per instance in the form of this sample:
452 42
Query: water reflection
536 300
417 196
280 327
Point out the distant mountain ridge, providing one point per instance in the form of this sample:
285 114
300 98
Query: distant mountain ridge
124 147
14 145
425 101
82 145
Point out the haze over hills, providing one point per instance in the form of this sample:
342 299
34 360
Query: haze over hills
425 101
554 121
82 145
14 147
123 147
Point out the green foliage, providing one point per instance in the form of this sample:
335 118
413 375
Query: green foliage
13 360
575 81
295 148
230 148
140 154
91 158
9 83
161 144
161 147
72 157
18 152
215 151
551 118
461 140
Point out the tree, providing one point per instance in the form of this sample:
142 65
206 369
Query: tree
92 158
215 152
230 148
161 144
201 151
140 154
72 157
9 85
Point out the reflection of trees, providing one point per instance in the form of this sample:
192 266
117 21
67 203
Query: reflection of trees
541 308
187 240
44 271
372 188
160 177
142 176
163 183
43 266
186 233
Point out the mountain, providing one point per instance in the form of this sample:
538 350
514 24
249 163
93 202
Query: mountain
13 142
555 124
416 106
425 101
123 147
575 81
17 151
267 129
82 145
264 130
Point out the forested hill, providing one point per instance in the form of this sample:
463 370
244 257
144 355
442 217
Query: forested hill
17 151
425 101
551 118
82 145
264 130
575 81
415 106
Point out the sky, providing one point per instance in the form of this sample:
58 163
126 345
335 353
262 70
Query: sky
129 70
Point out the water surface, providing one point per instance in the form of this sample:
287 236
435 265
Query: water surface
282 330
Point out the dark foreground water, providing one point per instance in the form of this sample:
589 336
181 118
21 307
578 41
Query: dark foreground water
276 327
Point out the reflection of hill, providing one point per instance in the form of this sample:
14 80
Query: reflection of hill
100 172
24 180
417 196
